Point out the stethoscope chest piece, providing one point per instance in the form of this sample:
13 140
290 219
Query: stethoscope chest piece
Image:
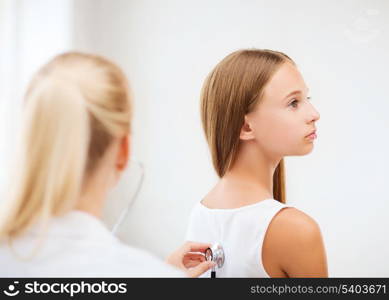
215 254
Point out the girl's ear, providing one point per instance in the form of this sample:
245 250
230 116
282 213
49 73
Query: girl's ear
246 132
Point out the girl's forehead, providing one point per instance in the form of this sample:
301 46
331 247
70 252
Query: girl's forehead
286 79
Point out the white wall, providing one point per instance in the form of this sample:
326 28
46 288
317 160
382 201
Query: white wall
7 77
31 32
168 47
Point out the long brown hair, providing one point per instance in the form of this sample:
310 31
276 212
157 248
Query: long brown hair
233 89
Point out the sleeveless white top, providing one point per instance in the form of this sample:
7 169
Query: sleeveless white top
240 231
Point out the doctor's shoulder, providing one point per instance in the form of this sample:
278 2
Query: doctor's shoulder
131 261
293 246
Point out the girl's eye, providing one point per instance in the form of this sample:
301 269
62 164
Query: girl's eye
294 103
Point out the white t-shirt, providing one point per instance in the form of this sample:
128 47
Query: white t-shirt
79 245
240 231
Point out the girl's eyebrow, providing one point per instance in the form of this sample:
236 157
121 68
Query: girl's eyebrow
294 93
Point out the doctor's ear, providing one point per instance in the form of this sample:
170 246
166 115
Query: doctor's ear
123 153
246 132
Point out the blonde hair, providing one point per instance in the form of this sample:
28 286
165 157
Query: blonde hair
74 107
233 89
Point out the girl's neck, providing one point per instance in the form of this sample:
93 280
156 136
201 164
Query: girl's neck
253 165
249 179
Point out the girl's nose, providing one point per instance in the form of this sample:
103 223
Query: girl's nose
314 115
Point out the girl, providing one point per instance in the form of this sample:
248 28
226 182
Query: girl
75 147
255 111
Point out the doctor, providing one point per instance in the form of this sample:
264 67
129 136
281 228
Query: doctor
74 147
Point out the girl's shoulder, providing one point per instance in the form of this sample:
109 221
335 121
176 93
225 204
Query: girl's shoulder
292 218
295 237
291 225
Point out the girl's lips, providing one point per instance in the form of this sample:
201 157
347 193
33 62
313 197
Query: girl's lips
312 136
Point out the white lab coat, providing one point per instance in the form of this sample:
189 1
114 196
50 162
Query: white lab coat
79 245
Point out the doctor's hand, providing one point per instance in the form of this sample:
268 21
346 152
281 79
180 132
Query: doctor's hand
188 259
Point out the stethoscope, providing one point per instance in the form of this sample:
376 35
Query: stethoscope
125 212
215 254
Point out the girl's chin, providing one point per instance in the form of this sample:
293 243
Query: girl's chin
306 149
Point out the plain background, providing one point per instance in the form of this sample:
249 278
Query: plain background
168 47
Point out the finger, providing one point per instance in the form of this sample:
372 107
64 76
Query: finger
186 262
195 256
195 246
192 263
200 269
